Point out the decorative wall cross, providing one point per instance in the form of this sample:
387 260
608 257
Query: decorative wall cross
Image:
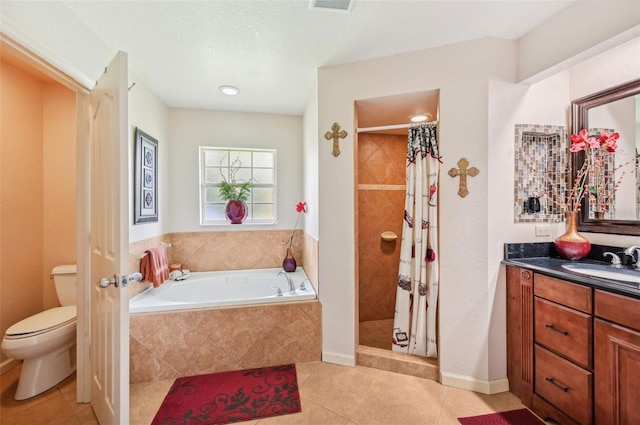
463 172
337 134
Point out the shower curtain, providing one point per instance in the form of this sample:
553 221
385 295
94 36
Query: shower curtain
414 321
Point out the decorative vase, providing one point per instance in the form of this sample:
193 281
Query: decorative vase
599 215
235 211
571 245
289 263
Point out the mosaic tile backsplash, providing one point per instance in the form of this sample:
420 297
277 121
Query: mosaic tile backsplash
541 167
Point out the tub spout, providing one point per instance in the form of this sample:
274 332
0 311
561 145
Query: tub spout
292 286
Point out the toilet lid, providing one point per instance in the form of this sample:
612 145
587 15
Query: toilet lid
43 322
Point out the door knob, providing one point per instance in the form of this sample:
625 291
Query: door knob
105 282
122 280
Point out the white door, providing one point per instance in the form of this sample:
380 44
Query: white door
109 241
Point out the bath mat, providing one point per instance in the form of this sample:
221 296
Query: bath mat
511 417
228 397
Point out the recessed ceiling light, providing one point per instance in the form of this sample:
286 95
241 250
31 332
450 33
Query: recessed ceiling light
419 117
229 90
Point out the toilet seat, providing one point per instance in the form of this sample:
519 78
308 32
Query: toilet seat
43 322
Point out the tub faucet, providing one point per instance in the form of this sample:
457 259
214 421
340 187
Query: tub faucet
634 250
292 286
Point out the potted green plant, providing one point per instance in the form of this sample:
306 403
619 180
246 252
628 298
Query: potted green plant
236 195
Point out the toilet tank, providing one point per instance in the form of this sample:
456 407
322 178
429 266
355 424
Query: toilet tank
64 277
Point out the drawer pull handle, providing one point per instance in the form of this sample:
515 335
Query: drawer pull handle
553 328
553 381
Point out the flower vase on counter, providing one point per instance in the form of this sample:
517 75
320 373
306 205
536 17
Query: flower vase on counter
571 245
289 263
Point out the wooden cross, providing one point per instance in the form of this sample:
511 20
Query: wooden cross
335 136
463 172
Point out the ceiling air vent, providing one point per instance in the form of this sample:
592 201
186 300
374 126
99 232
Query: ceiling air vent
343 5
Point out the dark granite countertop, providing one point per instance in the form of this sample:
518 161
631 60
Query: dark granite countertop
541 258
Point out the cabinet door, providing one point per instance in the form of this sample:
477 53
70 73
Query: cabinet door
617 374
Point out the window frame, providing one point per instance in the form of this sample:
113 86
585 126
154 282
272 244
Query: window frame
203 186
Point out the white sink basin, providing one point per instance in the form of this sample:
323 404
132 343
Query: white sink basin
605 272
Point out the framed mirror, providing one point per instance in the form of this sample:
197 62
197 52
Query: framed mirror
616 109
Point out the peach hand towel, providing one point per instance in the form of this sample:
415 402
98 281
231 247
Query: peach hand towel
154 266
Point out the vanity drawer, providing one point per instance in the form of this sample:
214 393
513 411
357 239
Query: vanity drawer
618 309
564 331
565 385
570 294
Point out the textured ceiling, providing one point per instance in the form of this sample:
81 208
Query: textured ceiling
271 50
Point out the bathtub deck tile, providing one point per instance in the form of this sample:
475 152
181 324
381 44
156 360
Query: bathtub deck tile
147 367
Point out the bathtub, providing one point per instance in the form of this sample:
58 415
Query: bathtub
223 289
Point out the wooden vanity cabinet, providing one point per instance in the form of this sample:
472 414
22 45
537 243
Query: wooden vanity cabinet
563 359
573 352
550 346
617 359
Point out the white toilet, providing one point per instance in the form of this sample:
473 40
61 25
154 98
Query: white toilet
45 340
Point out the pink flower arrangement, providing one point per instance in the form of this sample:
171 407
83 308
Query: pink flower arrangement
301 207
597 173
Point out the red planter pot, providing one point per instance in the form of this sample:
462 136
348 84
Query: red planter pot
236 211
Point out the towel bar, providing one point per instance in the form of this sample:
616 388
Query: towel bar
142 254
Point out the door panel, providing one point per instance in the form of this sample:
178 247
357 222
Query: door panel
109 240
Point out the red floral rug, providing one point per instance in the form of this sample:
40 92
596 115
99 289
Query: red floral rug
227 397
511 417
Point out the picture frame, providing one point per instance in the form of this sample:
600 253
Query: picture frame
145 198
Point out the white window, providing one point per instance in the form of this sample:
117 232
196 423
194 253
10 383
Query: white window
234 165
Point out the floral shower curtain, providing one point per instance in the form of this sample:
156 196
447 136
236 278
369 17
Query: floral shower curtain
417 292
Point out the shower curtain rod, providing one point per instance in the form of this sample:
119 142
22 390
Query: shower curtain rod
392 127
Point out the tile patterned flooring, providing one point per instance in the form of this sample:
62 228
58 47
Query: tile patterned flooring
330 394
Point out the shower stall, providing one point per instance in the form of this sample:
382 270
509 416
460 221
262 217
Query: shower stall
382 131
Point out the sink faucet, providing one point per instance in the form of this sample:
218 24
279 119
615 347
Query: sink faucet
292 286
615 260
634 250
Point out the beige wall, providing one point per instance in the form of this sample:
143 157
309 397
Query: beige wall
59 197
37 191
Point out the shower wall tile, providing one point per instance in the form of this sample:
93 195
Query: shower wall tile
381 195
381 159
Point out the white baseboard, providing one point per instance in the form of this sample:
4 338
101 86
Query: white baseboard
472 384
7 365
340 359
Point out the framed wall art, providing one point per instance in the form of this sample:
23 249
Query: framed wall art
145 198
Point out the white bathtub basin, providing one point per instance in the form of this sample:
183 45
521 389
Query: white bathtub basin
605 272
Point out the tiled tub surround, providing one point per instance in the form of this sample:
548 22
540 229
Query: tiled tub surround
171 344
177 343
230 250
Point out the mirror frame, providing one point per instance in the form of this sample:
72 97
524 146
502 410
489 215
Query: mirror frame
580 119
